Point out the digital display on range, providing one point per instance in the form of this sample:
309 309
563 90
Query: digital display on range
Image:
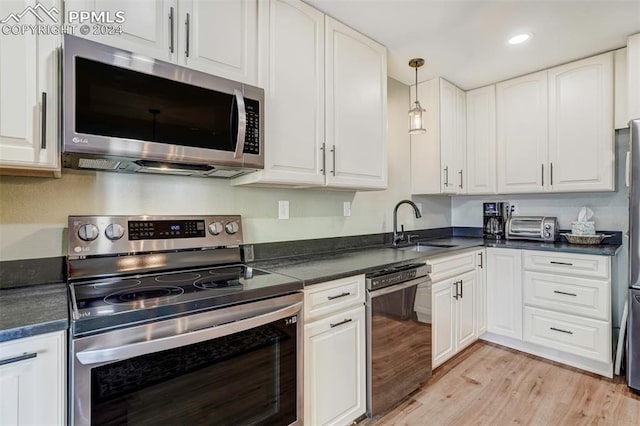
165 229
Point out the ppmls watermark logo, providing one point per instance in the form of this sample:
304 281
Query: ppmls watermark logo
49 22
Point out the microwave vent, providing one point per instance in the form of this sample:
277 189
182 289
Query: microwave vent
98 164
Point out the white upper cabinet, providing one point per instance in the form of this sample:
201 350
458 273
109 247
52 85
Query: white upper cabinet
581 137
217 37
522 133
438 156
326 92
147 28
29 102
356 108
620 98
294 94
426 176
633 77
481 141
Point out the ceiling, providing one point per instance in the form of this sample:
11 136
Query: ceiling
466 41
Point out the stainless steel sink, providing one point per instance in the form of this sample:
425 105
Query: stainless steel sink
427 247
437 245
421 248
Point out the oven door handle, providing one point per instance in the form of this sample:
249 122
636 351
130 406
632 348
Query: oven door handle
150 346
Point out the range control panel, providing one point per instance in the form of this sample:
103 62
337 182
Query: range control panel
111 235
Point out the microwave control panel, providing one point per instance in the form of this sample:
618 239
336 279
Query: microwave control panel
252 137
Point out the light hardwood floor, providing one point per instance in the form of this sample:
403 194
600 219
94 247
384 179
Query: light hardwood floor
488 384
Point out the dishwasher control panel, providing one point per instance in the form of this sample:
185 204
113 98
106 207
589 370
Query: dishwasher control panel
396 275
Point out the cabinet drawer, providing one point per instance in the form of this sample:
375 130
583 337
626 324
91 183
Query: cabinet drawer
449 266
577 335
571 295
567 264
332 296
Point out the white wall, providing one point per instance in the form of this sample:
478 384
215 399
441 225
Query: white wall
33 211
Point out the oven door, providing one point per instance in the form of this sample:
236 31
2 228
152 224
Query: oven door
234 366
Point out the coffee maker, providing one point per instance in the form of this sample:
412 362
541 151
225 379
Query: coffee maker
494 218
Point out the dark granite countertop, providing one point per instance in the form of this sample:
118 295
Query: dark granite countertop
28 307
317 268
33 310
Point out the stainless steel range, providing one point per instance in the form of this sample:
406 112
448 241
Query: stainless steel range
168 327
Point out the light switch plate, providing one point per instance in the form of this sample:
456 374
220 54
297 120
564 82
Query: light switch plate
347 208
283 209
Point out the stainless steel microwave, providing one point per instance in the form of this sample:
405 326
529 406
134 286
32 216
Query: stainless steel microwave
129 113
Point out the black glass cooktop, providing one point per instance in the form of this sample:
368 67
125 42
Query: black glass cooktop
116 302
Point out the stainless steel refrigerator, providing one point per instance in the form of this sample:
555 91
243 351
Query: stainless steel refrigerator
633 325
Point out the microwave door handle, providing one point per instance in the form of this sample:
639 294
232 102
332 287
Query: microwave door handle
242 123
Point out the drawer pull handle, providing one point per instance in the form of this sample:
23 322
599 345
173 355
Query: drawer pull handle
18 358
346 320
561 331
565 293
339 295
561 263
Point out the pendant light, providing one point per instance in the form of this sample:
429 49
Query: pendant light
415 114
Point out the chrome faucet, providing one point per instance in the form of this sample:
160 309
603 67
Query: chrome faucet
397 238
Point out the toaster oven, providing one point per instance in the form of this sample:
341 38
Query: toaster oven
536 228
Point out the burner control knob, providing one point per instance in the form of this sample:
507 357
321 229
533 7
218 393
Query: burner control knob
232 227
215 228
114 231
88 232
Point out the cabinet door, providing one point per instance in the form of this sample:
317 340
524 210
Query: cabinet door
426 173
29 101
294 96
334 368
504 292
33 381
581 134
633 77
147 27
356 108
481 141
522 134
449 159
443 320
219 37
466 316
481 293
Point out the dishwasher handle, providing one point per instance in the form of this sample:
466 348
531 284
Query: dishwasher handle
399 286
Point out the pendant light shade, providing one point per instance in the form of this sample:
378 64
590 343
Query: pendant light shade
416 125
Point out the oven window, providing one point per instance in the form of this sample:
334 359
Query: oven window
248 378
117 102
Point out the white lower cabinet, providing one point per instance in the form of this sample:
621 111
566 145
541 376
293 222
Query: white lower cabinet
554 305
454 305
504 292
481 292
335 352
33 380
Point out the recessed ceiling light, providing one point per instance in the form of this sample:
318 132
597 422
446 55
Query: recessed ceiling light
520 38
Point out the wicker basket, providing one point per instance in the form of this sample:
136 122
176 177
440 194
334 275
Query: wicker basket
585 239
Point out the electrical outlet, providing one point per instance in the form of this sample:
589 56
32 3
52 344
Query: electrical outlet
283 209
347 208
419 207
